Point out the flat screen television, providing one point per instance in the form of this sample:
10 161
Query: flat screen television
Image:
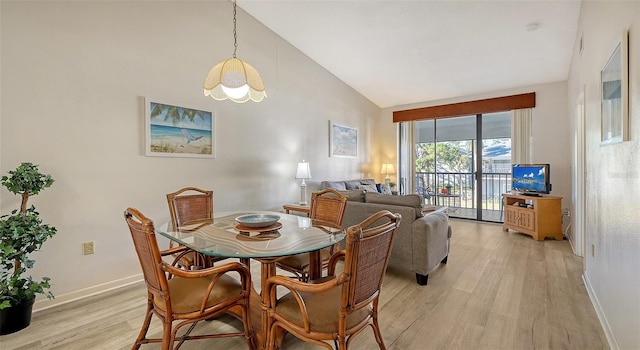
530 179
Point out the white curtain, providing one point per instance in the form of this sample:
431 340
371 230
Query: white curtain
407 157
521 136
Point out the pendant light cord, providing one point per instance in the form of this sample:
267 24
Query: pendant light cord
235 34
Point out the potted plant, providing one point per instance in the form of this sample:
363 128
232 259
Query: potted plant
21 233
448 187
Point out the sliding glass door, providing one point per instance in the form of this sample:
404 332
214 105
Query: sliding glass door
462 163
494 175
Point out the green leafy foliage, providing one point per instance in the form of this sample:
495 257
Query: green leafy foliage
452 156
22 233
175 114
26 179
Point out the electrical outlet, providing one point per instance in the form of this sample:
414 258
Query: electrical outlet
88 248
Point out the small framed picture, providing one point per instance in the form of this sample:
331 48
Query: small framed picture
343 141
177 131
614 92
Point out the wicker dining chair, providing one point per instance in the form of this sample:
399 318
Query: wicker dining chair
336 307
186 297
327 209
191 205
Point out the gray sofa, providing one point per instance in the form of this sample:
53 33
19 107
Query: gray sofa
422 241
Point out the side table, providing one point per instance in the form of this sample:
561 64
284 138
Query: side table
446 197
296 207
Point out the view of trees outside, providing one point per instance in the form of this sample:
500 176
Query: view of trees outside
452 163
445 163
452 156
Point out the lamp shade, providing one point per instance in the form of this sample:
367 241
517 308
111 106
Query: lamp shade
387 168
236 80
304 172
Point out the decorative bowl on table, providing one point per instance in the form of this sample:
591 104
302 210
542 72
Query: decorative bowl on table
257 220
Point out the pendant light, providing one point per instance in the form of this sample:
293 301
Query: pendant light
233 78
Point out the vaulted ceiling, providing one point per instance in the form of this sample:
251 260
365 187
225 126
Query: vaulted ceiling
403 52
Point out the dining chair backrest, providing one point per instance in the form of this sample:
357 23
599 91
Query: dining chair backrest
340 306
190 205
328 206
367 253
146 244
327 209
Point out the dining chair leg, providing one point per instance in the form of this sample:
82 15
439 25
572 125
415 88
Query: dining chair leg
167 338
145 327
376 326
275 336
342 344
376 333
248 328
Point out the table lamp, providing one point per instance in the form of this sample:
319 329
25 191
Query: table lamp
304 172
386 169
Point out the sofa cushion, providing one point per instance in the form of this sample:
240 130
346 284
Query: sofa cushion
354 195
408 200
336 185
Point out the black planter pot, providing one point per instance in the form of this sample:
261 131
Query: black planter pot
15 318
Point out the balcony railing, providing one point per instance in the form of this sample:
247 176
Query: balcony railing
463 192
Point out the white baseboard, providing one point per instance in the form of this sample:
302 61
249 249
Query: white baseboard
85 293
613 344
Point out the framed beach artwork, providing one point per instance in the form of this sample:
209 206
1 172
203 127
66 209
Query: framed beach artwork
176 131
614 92
343 141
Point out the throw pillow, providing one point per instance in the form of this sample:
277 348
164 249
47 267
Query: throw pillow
368 188
352 184
368 182
386 189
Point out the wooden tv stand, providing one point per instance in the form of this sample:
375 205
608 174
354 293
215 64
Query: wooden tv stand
539 217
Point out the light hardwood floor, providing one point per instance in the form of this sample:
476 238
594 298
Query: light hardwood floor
499 290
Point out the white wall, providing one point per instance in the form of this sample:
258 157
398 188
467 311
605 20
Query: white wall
74 78
613 187
550 129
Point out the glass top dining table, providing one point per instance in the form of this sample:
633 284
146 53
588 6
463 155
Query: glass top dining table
222 238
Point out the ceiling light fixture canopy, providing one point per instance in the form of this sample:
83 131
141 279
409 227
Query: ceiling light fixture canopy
233 78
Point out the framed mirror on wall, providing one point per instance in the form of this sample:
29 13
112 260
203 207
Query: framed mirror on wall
614 92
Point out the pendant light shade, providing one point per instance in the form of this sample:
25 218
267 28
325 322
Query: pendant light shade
236 80
233 78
